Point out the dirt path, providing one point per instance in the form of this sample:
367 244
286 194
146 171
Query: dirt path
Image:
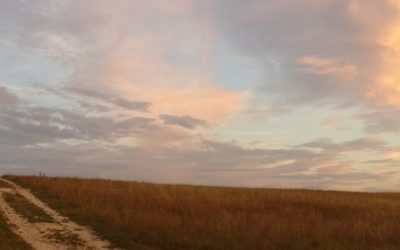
61 234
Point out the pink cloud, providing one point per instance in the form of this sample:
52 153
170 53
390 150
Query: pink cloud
204 101
172 88
392 155
326 66
383 29
340 168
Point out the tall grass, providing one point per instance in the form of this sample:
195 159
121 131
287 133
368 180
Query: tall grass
133 214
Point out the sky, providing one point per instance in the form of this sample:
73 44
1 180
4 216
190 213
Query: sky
255 93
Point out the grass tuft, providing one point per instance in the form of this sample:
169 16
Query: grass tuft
4 184
66 238
26 209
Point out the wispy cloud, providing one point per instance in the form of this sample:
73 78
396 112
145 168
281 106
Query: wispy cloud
118 101
324 66
183 121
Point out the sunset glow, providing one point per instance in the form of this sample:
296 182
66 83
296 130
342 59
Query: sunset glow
272 93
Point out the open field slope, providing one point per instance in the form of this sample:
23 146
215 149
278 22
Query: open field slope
28 223
136 215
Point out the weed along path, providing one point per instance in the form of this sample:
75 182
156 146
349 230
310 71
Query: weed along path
40 226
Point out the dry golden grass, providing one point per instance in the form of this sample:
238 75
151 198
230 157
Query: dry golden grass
192 217
4 184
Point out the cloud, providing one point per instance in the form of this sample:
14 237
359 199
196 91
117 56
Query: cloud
137 91
183 121
334 52
120 102
327 144
60 141
324 66
152 78
385 90
61 30
105 48
7 98
381 121
392 155
30 126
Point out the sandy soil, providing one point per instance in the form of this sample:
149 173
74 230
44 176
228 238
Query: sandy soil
41 236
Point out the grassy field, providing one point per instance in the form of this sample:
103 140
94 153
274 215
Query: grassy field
134 215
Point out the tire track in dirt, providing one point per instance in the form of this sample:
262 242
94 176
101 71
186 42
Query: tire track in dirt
48 236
